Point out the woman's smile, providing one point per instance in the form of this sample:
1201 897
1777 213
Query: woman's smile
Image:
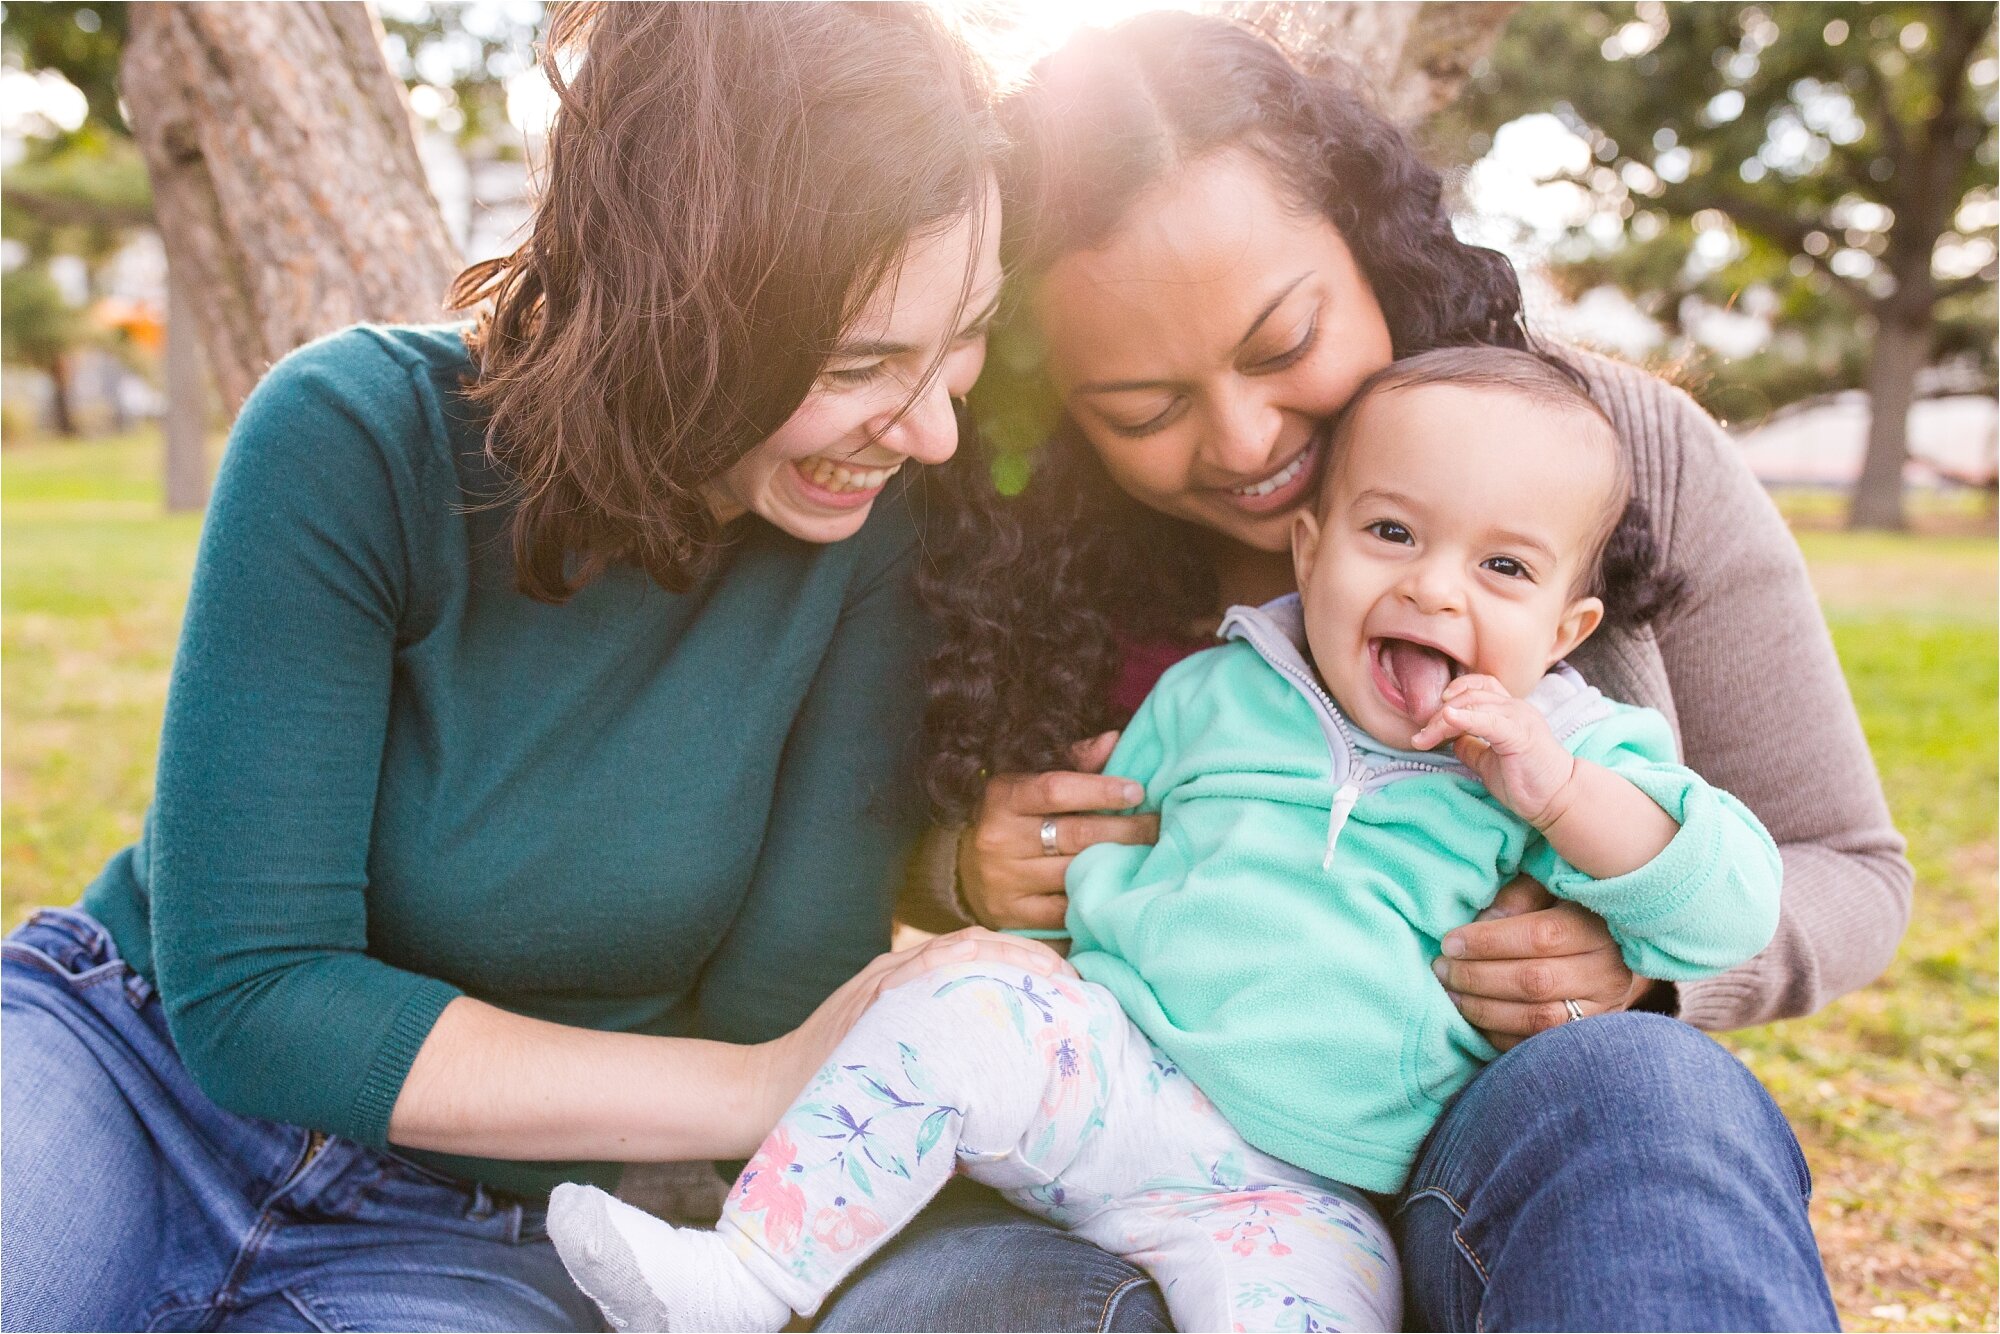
1278 491
840 485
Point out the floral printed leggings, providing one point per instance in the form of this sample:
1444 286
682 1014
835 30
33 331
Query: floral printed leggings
1043 1089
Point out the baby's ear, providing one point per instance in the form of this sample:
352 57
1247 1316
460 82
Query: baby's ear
1581 618
1305 545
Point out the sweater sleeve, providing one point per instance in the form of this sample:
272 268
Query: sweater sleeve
845 811
1709 899
271 751
1764 712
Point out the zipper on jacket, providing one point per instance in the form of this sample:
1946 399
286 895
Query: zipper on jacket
1362 777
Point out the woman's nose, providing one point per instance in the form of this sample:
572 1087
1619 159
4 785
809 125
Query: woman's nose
928 430
1243 435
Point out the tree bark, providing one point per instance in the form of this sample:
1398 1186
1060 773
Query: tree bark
1415 56
285 177
187 414
1902 346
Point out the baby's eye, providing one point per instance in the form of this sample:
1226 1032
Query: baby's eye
1507 567
1391 531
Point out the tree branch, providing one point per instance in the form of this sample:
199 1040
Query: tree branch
54 210
1972 282
1776 226
1893 139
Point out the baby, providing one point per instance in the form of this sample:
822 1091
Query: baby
1258 1038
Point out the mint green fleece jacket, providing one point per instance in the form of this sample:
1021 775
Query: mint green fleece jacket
1277 941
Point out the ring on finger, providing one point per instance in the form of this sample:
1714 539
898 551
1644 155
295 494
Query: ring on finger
1572 1009
1049 848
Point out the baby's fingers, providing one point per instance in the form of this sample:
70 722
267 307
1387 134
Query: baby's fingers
1472 681
1493 726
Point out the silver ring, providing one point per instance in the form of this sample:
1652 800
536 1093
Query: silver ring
1049 848
1575 1010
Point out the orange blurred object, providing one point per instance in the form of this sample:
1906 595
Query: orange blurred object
140 321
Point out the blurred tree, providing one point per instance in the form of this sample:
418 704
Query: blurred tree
81 42
39 328
1835 162
1416 56
74 191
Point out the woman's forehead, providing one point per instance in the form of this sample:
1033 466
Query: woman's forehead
1194 264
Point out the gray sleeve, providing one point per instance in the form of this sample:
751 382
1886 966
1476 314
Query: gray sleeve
1764 712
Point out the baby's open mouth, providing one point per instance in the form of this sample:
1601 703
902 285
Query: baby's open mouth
1412 676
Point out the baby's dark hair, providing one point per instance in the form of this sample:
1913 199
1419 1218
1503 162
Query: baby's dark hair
1626 570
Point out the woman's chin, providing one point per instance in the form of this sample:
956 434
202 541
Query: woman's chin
818 527
1268 534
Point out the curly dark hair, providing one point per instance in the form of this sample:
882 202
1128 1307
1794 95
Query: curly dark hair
1034 592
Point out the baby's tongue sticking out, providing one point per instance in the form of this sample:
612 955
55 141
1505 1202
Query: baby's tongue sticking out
1420 674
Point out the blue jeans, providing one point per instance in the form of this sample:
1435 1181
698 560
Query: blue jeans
1624 1172
133 1202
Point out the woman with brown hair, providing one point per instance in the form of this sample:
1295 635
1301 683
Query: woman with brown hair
1214 250
538 747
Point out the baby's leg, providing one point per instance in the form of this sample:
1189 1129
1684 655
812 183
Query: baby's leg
1273 1256
962 1062
1235 1238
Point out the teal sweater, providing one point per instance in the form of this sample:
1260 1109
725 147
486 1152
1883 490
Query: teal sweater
1277 941
388 779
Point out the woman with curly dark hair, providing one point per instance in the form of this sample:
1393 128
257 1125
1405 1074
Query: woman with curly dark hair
1213 250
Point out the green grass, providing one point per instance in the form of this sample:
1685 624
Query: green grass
1892 1089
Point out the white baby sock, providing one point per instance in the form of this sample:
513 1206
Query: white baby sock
647 1274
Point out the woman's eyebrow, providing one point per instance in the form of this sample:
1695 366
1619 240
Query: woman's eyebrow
1270 306
877 348
1122 386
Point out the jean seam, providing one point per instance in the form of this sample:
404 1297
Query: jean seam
1465 1247
304 1308
79 978
1112 1298
85 931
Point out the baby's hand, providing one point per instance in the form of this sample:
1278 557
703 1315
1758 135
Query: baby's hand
1508 743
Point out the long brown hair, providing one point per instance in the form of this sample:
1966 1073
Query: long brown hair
726 185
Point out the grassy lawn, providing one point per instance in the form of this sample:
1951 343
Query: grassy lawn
1893 1089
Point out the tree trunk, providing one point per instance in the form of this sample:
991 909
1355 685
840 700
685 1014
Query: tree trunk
1415 56
187 405
1902 346
285 178
62 402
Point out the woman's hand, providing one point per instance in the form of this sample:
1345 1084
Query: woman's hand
781 1067
1008 878
1510 970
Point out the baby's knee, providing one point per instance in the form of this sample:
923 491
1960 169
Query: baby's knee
987 1017
981 992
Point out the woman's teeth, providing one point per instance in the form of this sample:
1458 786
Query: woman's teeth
831 476
1283 477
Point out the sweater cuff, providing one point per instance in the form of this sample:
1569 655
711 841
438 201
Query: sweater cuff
931 900
1718 1003
376 1097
